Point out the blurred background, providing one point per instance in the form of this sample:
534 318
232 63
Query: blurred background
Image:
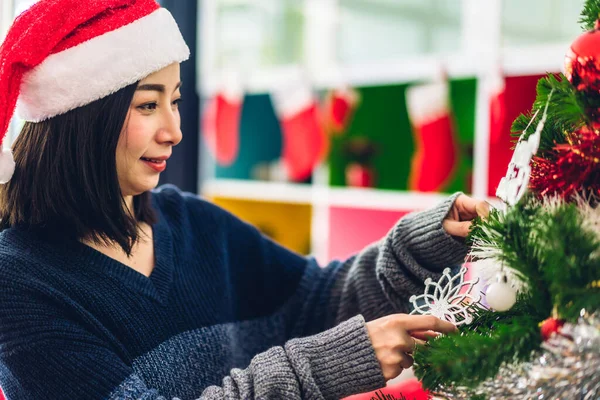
323 121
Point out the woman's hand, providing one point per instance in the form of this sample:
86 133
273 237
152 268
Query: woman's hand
458 221
395 336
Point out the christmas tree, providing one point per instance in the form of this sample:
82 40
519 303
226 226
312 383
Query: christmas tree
539 336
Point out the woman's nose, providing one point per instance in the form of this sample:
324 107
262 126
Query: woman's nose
171 129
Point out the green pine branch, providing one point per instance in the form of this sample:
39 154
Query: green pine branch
566 112
468 358
550 251
513 232
569 260
589 15
549 248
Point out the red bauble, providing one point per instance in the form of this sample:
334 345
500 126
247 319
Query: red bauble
582 62
550 326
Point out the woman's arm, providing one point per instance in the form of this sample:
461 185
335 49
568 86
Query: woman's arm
377 281
49 356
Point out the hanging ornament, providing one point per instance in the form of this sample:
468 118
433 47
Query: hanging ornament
449 299
222 117
582 62
304 141
340 106
500 295
514 185
550 326
435 160
487 269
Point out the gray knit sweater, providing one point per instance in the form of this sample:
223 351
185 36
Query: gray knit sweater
225 314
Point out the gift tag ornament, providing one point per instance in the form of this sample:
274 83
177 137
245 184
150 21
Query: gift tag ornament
500 295
449 299
514 185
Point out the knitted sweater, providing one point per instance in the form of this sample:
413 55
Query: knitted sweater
226 312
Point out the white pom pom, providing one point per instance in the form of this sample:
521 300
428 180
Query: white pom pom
500 295
7 166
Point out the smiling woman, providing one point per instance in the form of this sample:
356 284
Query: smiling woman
61 163
151 130
111 288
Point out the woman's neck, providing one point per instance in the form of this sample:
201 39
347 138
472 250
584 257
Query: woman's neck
129 203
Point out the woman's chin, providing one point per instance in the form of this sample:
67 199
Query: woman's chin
140 187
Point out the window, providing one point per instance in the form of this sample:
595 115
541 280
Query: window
380 30
535 22
258 33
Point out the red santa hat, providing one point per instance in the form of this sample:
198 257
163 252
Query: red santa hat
63 54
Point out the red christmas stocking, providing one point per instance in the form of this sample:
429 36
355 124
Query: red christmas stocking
435 158
497 121
304 140
340 108
221 125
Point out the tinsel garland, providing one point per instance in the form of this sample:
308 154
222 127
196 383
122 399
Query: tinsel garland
565 368
571 168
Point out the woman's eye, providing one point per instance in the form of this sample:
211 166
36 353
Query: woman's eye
148 107
177 102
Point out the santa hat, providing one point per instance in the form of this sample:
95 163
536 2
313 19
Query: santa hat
63 54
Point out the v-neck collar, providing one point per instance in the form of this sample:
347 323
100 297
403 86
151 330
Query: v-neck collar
156 286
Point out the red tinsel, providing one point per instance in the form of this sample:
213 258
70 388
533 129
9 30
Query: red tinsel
572 167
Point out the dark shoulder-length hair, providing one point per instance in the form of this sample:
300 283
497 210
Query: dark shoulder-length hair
65 183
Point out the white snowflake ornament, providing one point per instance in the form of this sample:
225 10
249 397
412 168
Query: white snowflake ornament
449 299
514 185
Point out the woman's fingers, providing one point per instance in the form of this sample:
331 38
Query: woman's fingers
424 323
394 338
456 228
406 361
406 343
469 208
424 335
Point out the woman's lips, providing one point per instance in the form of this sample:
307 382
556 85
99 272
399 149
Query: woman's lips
157 164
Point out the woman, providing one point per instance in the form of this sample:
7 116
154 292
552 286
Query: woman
112 289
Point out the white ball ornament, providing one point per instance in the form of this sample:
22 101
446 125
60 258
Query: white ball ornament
500 295
7 166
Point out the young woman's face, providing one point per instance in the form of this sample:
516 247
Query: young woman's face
151 130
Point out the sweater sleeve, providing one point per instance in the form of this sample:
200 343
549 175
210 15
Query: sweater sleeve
45 354
377 281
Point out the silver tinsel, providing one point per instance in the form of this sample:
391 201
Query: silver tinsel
567 367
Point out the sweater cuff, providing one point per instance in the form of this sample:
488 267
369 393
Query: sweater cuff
424 237
341 360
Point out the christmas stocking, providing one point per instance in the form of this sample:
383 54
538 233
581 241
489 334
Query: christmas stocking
304 141
497 122
435 158
340 107
221 123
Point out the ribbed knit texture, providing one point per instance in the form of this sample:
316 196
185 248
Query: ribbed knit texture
226 313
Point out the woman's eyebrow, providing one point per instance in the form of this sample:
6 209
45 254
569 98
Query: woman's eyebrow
156 87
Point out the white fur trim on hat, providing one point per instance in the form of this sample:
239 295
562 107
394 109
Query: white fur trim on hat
101 66
7 165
